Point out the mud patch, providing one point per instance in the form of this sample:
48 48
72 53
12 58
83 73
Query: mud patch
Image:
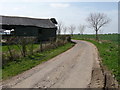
109 79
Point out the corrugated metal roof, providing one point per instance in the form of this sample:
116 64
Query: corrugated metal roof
11 20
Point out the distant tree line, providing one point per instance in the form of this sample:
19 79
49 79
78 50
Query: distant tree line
95 20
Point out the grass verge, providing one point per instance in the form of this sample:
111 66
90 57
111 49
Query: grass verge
108 51
16 67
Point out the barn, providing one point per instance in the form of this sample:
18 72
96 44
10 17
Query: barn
24 26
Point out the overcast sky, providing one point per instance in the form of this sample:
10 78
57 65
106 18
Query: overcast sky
67 12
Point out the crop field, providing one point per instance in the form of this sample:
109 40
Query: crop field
108 50
110 37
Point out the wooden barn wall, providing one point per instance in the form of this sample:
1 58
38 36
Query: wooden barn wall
26 31
48 33
42 33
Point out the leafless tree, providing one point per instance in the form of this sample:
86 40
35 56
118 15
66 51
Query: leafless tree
9 43
64 29
97 20
72 29
81 28
23 42
60 27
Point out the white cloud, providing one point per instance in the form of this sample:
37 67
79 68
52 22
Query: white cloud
59 5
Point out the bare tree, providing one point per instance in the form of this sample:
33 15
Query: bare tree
9 43
23 42
97 20
72 29
64 29
60 27
81 28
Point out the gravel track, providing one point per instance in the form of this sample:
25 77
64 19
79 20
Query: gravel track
71 69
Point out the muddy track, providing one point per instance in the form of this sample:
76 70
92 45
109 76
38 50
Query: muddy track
71 69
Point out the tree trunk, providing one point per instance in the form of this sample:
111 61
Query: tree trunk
97 35
41 46
24 50
31 48
10 52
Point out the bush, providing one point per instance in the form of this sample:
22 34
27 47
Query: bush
19 47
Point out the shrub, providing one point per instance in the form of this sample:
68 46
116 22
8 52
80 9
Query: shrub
19 47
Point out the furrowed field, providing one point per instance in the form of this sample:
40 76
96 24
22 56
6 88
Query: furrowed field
108 50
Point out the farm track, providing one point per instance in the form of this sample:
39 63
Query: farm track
71 69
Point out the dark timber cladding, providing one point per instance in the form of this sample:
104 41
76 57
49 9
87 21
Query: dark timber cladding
23 26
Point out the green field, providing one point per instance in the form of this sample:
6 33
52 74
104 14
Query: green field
110 37
108 49
15 67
